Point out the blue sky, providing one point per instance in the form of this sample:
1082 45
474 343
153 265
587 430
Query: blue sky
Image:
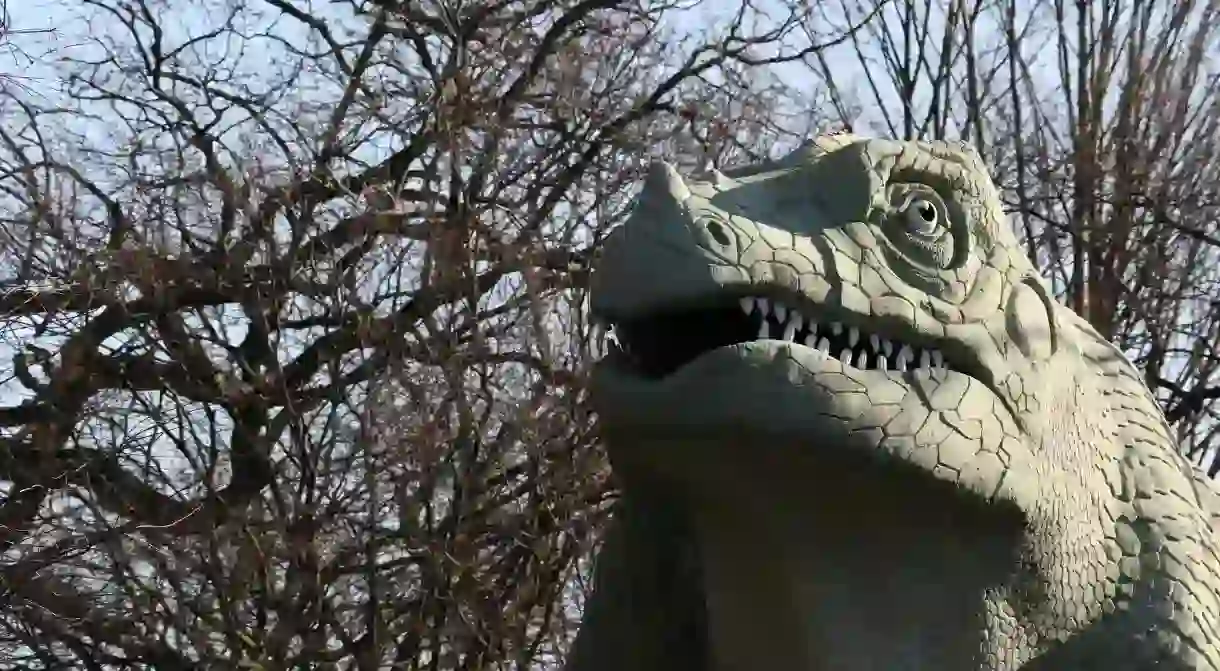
41 27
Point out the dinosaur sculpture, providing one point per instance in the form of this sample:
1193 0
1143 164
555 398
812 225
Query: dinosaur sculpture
853 431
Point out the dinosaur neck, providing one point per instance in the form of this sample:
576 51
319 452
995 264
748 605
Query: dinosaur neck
895 569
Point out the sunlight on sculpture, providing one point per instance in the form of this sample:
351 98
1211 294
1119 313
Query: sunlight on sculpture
854 431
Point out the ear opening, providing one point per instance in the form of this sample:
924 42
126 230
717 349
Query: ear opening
1031 320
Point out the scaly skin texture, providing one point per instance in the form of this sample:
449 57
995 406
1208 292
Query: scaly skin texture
1023 506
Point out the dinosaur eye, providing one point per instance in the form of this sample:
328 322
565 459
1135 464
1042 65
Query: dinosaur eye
923 217
924 225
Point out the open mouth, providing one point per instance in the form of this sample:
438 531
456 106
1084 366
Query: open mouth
660 344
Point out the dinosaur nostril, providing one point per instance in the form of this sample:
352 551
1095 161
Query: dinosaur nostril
718 233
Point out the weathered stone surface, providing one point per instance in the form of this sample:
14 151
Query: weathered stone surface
854 432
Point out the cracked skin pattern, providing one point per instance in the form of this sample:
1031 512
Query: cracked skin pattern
782 510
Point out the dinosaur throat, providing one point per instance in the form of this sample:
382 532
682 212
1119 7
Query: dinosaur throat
658 345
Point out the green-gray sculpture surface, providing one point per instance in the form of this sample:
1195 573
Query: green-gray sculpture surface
853 431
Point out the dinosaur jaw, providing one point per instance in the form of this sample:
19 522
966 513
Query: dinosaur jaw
944 424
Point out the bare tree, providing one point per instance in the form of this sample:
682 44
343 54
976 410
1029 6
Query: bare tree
18 51
293 303
1103 123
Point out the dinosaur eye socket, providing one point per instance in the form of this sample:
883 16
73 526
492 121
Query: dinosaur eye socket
923 217
922 224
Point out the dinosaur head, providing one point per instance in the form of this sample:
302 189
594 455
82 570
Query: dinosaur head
844 362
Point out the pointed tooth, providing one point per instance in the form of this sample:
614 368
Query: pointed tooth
887 347
836 328
781 312
764 331
904 355
874 342
845 357
797 319
813 329
790 329
811 340
764 306
862 359
925 359
747 305
938 359
824 345
853 337
883 363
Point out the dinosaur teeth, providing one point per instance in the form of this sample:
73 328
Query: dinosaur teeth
904 355
659 344
793 326
867 351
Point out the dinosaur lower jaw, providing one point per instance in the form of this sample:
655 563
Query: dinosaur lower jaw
941 423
